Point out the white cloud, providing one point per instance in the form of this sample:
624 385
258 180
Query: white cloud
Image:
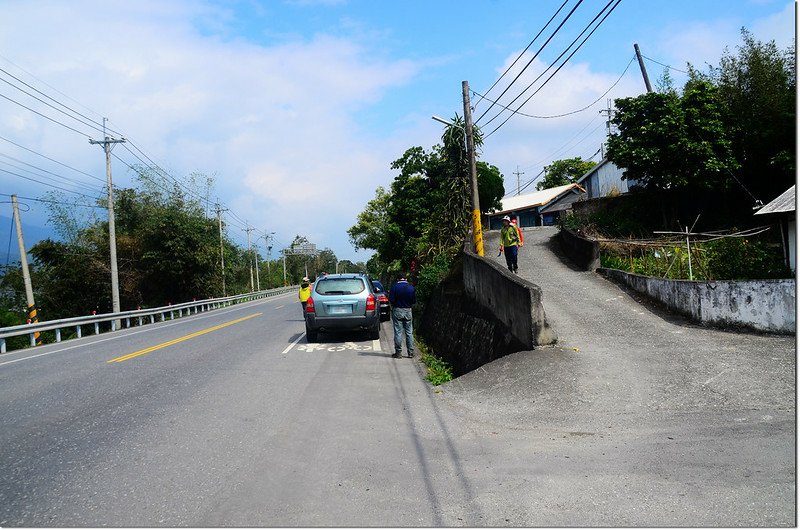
532 143
276 124
779 27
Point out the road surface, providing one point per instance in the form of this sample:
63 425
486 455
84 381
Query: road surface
230 418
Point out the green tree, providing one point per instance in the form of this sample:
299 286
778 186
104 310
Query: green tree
668 141
562 172
425 215
757 87
490 187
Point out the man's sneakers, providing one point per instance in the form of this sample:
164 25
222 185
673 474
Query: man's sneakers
411 355
395 356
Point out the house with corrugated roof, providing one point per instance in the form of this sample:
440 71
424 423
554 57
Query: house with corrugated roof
783 210
540 208
605 179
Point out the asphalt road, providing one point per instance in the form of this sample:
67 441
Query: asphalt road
635 419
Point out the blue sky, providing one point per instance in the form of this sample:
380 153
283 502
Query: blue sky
298 107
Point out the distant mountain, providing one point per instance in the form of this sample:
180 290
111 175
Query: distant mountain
9 248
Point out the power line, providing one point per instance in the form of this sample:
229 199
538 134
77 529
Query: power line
561 65
9 61
590 105
665 65
50 159
551 64
522 53
50 184
48 104
51 201
85 120
44 116
532 58
66 179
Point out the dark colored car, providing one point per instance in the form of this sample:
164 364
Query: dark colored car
383 300
342 302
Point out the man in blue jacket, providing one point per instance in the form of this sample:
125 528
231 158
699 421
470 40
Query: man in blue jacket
402 296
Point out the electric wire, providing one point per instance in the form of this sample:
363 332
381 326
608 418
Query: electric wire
559 68
590 105
551 65
92 125
50 159
66 179
532 58
57 91
52 201
140 155
45 116
522 53
665 65
50 184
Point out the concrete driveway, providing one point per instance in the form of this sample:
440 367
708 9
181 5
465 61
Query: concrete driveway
637 417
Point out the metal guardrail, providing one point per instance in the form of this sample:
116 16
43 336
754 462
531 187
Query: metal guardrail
140 315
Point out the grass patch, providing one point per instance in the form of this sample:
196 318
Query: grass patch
438 370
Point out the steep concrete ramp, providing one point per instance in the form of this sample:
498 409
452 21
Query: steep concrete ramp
636 417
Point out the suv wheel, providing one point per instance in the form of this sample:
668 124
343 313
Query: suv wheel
311 335
375 333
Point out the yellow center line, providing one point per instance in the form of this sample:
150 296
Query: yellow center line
181 339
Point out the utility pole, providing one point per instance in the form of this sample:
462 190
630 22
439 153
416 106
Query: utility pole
477 234
221 247
250 249
108 145
642 68
268 255
609 113
518 173
255 257
26 273
284 268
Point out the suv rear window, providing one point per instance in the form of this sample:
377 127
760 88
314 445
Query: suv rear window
340 286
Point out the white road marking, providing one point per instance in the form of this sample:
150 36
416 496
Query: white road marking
292 345
376 345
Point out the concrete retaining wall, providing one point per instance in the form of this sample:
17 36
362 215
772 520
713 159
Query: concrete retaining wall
515 302
762 305
482 312
584 252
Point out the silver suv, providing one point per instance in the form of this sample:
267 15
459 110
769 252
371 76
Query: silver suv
342 302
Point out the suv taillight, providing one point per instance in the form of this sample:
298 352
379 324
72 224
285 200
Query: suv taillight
370 302
310 305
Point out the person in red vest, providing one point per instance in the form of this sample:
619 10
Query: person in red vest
515 222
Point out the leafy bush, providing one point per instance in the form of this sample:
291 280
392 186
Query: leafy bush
438 370
431 274
722 259
739 259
